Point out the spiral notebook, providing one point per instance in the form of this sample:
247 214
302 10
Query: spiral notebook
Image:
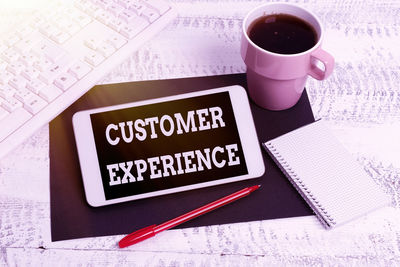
333 184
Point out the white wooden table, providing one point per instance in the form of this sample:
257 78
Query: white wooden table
360 102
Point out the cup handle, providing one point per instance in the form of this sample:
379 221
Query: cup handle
326 59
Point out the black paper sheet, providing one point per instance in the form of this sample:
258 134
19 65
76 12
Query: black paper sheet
72 217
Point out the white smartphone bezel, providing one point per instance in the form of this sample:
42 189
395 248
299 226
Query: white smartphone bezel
90 169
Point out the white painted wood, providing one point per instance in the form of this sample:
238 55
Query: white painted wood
360 102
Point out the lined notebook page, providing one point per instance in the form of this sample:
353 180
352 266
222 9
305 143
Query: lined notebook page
331 181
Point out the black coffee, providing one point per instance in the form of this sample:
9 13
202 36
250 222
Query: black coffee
282 34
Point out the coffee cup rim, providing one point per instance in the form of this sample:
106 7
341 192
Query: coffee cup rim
318 44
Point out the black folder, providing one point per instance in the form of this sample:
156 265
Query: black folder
72 217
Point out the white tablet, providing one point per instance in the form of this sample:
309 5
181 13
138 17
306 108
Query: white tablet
166 145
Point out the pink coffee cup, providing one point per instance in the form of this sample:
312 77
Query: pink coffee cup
276 81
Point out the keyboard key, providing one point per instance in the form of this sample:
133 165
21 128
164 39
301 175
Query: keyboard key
104 17
130 31
116 24
64 81
48 29
106 49
23 95
10 55
160 6
104 3
15 67
116 40
51 51
92 42
30 73
10 104
12 121
6 91
81 18
17 82
150 14
42 64
79 69
49 93
72 28
81 4
35 85
93 10
60 37
125 3
94 58
26 44
127 16
138 8
66 61
115 9
28 59
5 77
34 104
49 75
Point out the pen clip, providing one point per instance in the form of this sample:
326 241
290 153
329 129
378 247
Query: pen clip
137 236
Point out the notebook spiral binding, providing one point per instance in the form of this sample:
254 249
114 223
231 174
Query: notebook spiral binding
303 190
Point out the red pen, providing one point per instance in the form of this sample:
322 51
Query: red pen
154 229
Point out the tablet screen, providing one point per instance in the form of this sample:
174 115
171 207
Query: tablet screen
165 145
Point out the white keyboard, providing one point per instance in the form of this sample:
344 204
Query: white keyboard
60 52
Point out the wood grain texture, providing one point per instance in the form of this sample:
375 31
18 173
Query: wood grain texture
360 102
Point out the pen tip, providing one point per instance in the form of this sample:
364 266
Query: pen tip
254 187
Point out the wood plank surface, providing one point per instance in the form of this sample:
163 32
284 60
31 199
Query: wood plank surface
360 103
